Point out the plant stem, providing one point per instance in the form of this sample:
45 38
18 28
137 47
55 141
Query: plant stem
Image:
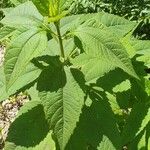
60 39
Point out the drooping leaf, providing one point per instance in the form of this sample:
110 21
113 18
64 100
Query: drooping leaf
103 53
62 99
22 50
25 14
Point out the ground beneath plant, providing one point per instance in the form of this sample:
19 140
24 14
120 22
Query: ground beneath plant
8 111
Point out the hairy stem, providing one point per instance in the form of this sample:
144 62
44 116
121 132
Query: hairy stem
60 39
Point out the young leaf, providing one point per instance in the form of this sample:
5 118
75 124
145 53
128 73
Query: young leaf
62 99
22 50
103 52
25 14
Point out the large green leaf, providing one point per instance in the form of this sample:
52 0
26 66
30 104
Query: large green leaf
22 50
29 127
63 99
25 14
103 52
117 25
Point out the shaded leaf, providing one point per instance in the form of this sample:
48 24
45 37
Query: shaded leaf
26 121
62 99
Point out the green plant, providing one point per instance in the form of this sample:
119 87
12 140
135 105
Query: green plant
137 10
77 69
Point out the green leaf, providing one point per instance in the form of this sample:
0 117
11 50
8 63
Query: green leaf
103 53
29 127
96 122
5 32
29 75
137 121
22 50
17 2
117 25
42 6
6 11
106 144
143 49
64 4
47 144
3 94
25 14
62 99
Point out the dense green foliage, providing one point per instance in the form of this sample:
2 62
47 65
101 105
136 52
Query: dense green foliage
138 10
85 75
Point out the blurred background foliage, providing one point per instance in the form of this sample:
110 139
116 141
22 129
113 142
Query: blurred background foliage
137 10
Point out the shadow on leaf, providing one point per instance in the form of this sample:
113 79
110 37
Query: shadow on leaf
29 127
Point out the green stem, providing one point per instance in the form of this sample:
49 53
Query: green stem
60 39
